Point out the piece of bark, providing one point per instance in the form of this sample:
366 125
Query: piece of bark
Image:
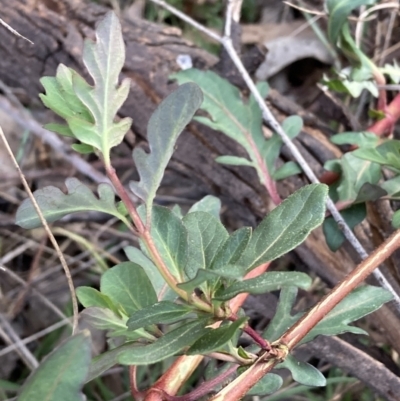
58 29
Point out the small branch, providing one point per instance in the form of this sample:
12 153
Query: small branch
136 394
262 342
204 389
48 232
240 386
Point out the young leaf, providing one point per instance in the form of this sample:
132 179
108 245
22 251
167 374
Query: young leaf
287 226
61 374
266 282
282 319
162 289
333 234
232 249
240 121
269 384
209 204
361 139
215 339
159 313
55 204
103 319
355 173
164 127
168 345
170 238
104 61
303 372
287 170
396 219
128 285
360 302
206 235
89 297
227 271
339 10
234 161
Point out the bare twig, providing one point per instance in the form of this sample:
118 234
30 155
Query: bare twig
16 33
48 231
273 123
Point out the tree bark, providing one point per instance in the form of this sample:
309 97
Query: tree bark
58 28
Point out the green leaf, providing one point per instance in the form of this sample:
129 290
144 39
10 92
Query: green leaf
165 125
268 384
388 154
232 249
215 339
206 235
170 238
210 204
287 170
159 313
362 301
104 60
89 296
103 319
333 234
292 125
355 173
393 71
303 372
162 289
61 374
392 187
168 345
82 148
396 219
338 11
287 226
128 285
55 204
361 139
240 121
234 161
61 98
266 282
283 319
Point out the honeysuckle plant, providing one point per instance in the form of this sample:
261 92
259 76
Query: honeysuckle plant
181 290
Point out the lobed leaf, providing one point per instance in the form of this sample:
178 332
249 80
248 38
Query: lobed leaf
287 226
303 372
164 127
61 374
55 204
360 302
104 60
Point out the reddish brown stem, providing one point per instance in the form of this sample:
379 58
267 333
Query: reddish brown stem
240 386
262 342
172 380
204 389
136 394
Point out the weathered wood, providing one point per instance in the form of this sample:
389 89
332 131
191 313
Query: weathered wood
58 28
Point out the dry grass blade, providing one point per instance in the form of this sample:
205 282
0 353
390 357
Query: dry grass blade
14 31
48 231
